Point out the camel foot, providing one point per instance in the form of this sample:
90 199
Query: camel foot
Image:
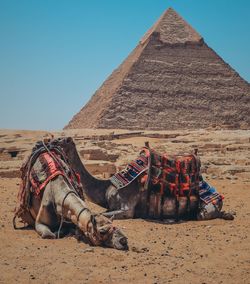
227 215
119 214
48 236
110 214
169 221
44 231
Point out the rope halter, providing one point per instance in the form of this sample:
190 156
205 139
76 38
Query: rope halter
98 235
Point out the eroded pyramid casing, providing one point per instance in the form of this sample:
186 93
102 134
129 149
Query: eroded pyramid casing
171 80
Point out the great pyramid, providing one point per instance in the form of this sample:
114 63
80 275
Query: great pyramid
171 80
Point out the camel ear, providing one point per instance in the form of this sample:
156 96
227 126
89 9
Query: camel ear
69 139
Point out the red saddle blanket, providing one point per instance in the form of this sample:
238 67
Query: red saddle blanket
44 169
173 175
43 165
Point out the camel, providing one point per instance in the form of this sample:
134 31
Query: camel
61 202
130 201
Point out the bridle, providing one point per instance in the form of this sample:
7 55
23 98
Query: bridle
91 230
68 193
95 237
62 218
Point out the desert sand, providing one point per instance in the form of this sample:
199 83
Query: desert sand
215 251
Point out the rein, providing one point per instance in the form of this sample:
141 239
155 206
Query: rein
82 210
62 219
69 182
96 238
92 232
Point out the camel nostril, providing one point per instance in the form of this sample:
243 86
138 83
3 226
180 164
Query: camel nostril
123 241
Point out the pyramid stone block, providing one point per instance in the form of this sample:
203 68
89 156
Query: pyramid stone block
171 80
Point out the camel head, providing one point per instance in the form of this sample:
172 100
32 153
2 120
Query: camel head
102 232
67 144
69 147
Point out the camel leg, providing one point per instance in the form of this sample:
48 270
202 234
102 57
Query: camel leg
208 212
44 231
120 214
116 214
43 217
211 211
226 215
46 217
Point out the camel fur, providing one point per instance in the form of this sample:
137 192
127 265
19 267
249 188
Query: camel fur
60 202
130 201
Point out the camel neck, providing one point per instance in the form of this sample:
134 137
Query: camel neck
76 210
94 188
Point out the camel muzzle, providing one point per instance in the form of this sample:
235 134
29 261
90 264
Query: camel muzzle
124 242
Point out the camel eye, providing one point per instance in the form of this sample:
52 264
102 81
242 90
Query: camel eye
103 231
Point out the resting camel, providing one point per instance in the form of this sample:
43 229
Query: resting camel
130 201
61 202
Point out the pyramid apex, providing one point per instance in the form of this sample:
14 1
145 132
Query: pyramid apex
173 29
168 82
170 9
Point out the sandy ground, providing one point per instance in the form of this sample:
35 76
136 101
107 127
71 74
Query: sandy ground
215 251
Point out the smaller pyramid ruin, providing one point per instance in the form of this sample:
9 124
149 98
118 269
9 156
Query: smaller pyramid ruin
171 80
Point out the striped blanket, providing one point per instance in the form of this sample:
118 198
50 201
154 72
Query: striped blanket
208 194
130 173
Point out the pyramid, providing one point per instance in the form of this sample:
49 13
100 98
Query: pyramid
171 80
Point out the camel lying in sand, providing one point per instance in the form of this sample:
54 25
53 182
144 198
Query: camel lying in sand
59 201
130 201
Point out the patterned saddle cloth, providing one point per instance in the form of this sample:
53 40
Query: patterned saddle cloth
133 170
169 175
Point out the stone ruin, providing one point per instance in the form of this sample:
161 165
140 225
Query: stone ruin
171 80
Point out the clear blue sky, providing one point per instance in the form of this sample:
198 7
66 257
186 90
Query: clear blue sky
54 54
